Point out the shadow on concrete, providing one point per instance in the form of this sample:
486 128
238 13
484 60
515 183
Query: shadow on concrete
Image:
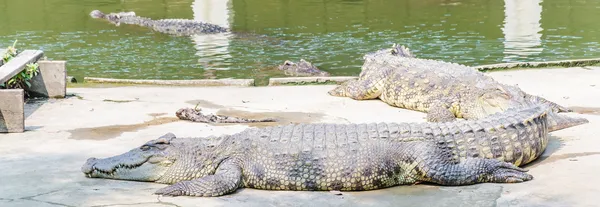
555 144
32 105
586 110
2 122
113 131
38 87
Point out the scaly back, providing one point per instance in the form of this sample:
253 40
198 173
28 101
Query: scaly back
517 135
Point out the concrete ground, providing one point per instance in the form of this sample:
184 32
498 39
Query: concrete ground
41 167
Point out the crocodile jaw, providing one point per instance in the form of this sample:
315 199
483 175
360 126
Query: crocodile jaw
134 165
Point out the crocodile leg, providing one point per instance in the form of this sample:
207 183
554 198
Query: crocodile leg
440 112
369 85
358 89
477 170
227 179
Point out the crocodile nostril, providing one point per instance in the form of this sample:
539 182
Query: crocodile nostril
88 167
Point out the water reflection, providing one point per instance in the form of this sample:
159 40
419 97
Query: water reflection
522 29
212 47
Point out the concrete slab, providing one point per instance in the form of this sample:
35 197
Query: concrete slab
43 164
200 82
547 64
18 63
51 80
309 80
11 110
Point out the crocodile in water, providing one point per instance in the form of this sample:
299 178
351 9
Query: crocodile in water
302 68
178 27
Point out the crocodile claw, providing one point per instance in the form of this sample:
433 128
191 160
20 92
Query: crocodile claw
172 190
508 173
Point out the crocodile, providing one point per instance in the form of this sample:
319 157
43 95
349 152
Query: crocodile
177 27
445 91
341 157
196 115
302 68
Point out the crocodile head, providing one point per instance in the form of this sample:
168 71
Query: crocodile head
114 18
96 14
492 100
162 160
302 68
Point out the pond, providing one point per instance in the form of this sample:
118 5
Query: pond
333 34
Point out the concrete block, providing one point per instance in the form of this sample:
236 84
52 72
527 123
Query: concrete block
12 117
557 63
199 82
51 81
309 80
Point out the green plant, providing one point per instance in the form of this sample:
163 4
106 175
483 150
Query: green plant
21 80
11 52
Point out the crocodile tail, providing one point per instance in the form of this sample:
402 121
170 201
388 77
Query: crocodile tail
561 121
555 107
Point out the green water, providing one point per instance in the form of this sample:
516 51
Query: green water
333 35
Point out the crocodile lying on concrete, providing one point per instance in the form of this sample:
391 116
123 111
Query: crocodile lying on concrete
196 115
445 91
345 157
178 27
302 68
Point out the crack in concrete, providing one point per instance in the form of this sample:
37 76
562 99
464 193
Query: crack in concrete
7 199
49 202
32 198
40 194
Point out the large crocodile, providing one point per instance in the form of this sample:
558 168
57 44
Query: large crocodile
445 91
178 27
345 157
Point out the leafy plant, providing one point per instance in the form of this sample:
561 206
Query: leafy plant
11 52
21 80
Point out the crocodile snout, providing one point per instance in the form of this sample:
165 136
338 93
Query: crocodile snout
88 167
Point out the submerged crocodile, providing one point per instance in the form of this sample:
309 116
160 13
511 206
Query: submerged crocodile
445 91
345 157
178 27
302 68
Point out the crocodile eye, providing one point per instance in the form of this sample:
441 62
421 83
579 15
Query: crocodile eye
145 147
